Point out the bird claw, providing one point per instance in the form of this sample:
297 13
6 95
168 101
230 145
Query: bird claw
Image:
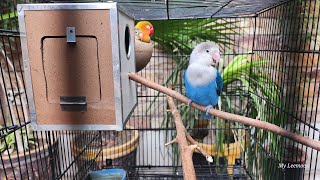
208 109
189 102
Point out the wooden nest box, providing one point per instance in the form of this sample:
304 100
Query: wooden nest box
77 57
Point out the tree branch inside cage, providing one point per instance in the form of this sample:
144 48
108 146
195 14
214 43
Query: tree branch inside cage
228 116
182 139
186 150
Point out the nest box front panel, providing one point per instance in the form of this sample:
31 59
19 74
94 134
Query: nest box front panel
72 82
69 73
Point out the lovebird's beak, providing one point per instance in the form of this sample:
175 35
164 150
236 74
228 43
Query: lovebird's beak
215 59
151 31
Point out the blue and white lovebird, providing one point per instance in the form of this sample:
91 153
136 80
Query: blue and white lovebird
202 80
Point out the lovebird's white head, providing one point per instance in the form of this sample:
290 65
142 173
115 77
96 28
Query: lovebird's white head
206 54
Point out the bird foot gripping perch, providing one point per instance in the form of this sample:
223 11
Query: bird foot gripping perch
208 109
189 102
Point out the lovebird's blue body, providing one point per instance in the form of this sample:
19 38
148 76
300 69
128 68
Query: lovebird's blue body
204 95
203 82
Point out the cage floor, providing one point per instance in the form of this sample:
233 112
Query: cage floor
202 173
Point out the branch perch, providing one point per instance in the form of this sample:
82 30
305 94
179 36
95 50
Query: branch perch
228 116
182 139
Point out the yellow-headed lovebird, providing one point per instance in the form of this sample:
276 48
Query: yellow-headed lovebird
144 31
143 45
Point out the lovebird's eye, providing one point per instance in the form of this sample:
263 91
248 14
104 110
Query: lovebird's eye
148 27
207 50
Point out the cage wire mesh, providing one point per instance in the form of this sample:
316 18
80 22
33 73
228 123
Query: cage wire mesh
270 52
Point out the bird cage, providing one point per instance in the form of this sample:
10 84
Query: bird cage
269 65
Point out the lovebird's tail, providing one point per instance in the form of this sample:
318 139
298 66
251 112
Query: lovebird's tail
207 117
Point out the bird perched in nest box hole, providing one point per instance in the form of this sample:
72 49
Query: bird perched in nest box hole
143 44
202 80
144 30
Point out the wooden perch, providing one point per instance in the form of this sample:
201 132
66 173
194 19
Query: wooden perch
186 150
182 138
228 116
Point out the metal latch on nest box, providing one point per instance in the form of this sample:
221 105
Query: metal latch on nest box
73 103
71 34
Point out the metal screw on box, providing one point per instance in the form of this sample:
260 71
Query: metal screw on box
71 34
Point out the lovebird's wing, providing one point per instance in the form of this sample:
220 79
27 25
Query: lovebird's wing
198 94
189 92
219 82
